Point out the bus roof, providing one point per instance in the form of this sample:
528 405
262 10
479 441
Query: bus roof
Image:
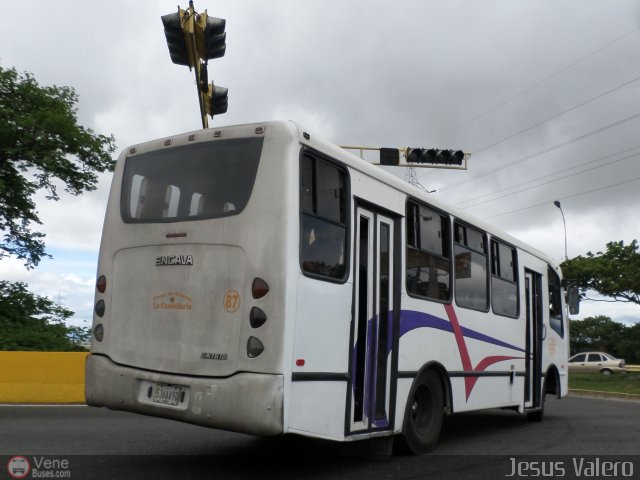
316 142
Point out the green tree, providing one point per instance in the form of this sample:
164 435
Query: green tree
614 273
31 322
628 345
596 333
41 145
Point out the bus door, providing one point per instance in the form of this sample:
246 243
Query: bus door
375 313
534 337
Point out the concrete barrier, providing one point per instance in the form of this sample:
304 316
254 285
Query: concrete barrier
42 377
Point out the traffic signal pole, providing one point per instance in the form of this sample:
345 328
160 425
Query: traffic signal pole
193 39
410 158
189 30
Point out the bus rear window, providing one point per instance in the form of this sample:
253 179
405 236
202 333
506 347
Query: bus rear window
194 182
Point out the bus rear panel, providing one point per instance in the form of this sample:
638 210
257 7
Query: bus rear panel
190 320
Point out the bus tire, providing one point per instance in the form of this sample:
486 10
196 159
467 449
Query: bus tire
424 413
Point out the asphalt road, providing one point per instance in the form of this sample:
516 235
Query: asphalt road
99 443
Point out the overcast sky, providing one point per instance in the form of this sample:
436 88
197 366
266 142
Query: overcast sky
544 94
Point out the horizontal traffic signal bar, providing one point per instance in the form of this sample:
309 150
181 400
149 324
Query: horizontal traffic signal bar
416 157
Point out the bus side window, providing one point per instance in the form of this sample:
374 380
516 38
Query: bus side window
323 229
428 257
504 279
555 302
470 268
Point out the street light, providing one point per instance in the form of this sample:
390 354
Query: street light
557 204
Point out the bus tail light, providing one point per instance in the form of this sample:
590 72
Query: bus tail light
257 317
259 288
98 332
99 308
254 347
101 284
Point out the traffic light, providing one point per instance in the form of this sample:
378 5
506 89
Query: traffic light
435 156
192 36
213 37
389 156
193 39
216 100
176 40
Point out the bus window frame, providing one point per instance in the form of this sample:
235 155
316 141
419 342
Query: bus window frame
516 280
126 190
447 217
487 262
562 318
317 155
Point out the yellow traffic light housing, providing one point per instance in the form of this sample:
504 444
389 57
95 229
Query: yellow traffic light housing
215 100
194 39
210 36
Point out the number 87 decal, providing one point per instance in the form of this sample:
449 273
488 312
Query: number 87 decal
231 301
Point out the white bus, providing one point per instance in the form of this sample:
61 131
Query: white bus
258 279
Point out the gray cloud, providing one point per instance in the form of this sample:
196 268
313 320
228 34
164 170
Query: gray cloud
407 73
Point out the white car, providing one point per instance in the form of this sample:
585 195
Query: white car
596 362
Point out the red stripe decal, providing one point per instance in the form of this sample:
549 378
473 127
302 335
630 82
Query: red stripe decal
469 382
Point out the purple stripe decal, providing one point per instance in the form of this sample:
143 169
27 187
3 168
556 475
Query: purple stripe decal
410 320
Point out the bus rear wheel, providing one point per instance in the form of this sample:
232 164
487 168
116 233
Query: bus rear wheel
424 413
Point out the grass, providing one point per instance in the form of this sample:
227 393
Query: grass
619 383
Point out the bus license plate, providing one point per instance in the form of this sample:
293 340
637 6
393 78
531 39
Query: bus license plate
167 394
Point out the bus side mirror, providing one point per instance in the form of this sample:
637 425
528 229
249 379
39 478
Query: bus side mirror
574 300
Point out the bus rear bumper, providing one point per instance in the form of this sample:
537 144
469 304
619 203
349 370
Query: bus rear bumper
246 402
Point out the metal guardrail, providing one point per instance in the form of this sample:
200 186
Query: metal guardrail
633 368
